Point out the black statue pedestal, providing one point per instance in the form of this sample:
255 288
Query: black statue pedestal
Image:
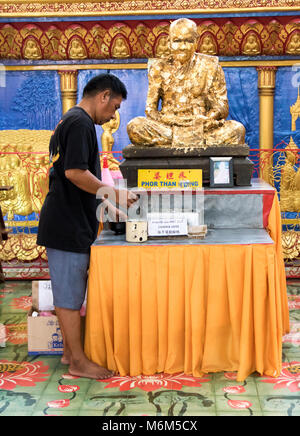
136 158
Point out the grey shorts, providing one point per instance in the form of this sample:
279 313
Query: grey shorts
68 274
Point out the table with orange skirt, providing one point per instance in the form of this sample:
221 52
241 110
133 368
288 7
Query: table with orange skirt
211 305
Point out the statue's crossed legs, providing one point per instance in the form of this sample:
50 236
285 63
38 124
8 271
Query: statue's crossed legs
147 132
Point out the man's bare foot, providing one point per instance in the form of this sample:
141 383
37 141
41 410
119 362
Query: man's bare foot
65 360
66 357
88 369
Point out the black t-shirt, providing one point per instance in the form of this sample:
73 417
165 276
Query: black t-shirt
68 217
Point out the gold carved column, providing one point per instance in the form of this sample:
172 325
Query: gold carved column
68 88
266 90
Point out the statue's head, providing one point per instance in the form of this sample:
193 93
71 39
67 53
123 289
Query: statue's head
183 39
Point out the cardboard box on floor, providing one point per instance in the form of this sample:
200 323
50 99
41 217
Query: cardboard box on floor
44 334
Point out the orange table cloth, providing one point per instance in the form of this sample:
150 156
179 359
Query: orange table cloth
188 308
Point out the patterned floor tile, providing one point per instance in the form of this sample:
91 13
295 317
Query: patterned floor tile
279 413
291 341
55 412
15 353
206 389
17 403
287 383
193 403
106 405
289 405
49 402
55 388
223 384
48 389
98 389
244 403
293 287
17 412
141 410
150 405
239 413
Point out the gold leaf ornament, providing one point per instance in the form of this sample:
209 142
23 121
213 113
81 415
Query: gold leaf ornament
290 244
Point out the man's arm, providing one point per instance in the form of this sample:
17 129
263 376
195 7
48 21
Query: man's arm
86 181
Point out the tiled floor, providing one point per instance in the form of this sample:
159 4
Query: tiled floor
40 385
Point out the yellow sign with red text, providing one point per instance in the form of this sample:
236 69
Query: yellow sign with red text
170 179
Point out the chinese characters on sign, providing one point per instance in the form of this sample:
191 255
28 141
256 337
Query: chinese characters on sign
170 179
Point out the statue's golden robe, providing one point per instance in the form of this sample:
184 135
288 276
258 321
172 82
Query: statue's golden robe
194 106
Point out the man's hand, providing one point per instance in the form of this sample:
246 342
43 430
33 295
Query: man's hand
115 214
125 198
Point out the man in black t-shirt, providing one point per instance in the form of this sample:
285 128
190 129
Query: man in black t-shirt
68 223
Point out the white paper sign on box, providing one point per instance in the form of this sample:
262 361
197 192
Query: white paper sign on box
45 295
166 224
42 297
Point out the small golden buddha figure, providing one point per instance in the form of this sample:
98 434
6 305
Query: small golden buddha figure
5 180
297 192
162 48
207 46
192 90
39 182
77 49
287 182
18 200
120 48
251 46
293 46
32 50
4 195
21 205
107 141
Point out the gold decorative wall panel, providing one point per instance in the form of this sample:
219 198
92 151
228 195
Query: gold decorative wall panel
141 40
23 165
52 8
22 247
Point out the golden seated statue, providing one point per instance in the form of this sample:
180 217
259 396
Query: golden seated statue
192 90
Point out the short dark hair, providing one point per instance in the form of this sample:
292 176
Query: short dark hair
102 82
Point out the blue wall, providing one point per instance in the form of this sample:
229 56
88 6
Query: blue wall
31 100
244 101
136 82
286 93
